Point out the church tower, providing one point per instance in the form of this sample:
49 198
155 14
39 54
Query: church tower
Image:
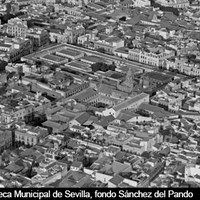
129 78
127 84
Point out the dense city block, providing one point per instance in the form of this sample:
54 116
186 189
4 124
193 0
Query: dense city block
100 94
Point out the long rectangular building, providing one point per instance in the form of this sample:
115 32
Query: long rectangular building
130 104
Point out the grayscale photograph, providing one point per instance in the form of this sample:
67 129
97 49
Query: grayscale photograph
101 94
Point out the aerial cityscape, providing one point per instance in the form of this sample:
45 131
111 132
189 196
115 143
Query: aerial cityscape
99 93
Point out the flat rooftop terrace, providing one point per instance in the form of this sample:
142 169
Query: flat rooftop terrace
158 76
69 52
45 51
53 58
94 59
78 65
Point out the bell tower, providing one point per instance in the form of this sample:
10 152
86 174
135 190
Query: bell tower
129 78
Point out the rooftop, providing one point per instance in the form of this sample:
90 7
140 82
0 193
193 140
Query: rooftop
128 102
157 76
53 58
112 39
70 52
94 59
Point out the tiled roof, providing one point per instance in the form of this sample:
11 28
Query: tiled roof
116 180
76 164
82 118
128 102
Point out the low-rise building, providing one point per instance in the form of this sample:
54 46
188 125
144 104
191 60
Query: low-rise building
150 56
192 173
154 79
30 135
49 172
182 65
16 27
70 34
12 49
174 3
130 104
110 44
76 166
142 142
39 37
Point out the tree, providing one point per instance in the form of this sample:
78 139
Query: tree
123 18
191 57
43 80
38 64
2 65
20 72
88 161
147 34
101 50
30 23
96 66
102 67
163 8
112 67
129 43
54 67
